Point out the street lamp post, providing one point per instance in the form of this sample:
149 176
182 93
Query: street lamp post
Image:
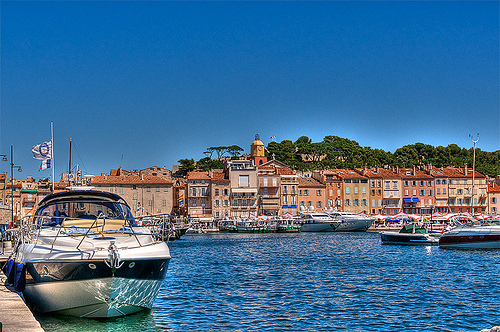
12 166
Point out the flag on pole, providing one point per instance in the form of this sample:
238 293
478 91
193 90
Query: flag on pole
42 151
274 136
47 163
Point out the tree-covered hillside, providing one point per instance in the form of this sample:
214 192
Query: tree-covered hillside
341 153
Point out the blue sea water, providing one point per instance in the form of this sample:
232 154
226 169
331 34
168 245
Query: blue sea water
314 282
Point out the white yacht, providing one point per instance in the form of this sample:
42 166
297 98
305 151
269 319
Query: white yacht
317 222
351 222
472 235
83 254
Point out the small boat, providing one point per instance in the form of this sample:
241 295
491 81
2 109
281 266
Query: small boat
286 226
351 222
251 227
83 254
317 222
472 235
411 234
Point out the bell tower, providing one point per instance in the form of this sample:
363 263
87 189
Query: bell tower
257 152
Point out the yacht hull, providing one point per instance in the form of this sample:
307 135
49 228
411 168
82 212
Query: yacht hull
479 237
95 298
319 227
407 238
354 225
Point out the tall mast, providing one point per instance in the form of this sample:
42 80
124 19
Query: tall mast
69 164
52 153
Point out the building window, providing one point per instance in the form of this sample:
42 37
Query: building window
355 190
165 189
264 182
157 188
275 182
244 181
148 188
164 202
319 192
216 192
150 203
347 190
319 204
347 202
134 186
134 196
193 191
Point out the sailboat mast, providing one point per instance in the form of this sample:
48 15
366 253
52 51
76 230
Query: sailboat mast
69 163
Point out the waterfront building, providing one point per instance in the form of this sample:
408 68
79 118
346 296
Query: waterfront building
160 172
242 175
441 180
179 197
220 193
3 188
385 190
418 191
145 194
14 190
289 192
333 185
493 206
28 196
312 195
269 182
355 190
198 199
461 195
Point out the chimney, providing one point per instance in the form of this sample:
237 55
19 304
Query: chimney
414 170
465 169
364 171
397 169
376 170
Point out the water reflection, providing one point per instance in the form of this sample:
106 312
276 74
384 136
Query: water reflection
317 282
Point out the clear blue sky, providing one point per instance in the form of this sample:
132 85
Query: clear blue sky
150 82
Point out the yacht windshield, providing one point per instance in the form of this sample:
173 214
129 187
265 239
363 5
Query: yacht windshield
55 214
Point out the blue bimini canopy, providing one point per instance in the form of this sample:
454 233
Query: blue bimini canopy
411 200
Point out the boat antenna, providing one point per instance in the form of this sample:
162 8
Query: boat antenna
473 168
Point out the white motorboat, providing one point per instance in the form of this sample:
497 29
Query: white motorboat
351 222
472 235
411 234
317 222
83 254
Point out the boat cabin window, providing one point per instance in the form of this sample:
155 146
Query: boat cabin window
55 214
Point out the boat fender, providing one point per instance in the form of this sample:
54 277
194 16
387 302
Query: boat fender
10 271
20 278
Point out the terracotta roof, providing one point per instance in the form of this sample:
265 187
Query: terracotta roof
344 173
219 176
310 182
410 173
198 176
284 171
378 173
129 179
493 187
454 172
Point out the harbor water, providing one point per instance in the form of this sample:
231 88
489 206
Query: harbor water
313 282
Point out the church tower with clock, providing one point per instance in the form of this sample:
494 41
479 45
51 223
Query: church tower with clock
257 152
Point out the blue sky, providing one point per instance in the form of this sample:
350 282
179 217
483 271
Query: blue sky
150 82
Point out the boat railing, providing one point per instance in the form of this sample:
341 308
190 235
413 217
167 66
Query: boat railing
159 227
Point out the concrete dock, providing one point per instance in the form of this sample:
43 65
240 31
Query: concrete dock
15 315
